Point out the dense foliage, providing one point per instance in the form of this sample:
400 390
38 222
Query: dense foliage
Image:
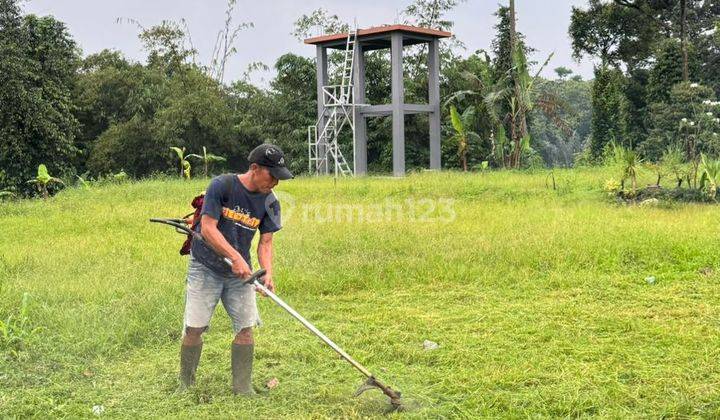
647 50
38 68
102 114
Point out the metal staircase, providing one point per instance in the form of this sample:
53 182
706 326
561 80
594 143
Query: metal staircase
338 110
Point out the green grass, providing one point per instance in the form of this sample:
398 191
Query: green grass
537 298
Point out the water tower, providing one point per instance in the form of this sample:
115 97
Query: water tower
345 104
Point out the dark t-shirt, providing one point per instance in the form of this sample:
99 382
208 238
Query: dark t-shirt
239 213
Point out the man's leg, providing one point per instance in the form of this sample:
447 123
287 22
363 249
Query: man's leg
239 302
241 362
190 356
203 290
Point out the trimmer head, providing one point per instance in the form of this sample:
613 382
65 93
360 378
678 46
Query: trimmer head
373 383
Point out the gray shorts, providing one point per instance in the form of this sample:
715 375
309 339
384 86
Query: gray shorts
204 288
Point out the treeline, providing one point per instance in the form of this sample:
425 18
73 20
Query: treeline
102 114
656 85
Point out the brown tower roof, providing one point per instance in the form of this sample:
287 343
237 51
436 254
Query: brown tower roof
379 36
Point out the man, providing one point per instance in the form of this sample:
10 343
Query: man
235 206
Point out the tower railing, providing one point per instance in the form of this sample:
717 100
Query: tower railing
338 110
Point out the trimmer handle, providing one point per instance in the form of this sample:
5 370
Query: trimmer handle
255 276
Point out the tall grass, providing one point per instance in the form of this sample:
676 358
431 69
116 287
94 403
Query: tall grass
537 298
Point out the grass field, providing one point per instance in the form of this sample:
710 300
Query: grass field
538 299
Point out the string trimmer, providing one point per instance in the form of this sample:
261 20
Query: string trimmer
255 279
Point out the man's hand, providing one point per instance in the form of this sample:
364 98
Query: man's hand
241 268
269 284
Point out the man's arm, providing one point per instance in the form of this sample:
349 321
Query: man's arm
265 254
214 238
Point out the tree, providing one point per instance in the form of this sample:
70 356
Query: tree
318 22
519 102
38 59
672 18
129 145
650 40
668 70
195 113
563 72
510 72
165 44
147 109
614 33
508 97
560 136
609 118
683 119
294 107
429 14
109 90
502 45
225 42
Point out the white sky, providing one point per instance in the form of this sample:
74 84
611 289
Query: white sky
93 25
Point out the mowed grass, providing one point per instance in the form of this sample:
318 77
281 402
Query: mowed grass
537 297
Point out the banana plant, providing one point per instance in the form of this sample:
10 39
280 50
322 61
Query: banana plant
492 93
710 177
207 159
43 179
461 124
186 169
499 92
184 164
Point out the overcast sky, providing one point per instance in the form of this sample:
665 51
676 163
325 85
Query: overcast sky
93 24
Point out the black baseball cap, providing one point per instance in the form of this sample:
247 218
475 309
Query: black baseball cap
273 158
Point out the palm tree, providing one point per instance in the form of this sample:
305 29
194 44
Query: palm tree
523 100
629 163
